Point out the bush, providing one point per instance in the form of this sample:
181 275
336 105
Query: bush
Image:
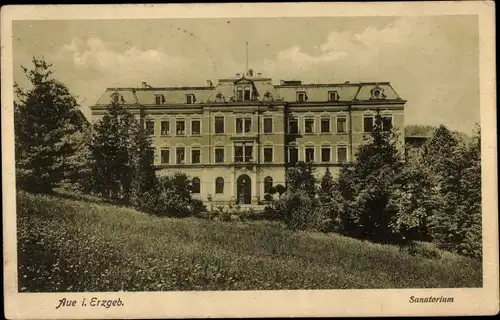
298 211
422 249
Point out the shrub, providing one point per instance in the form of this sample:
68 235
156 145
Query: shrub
280 189
422 249
298 211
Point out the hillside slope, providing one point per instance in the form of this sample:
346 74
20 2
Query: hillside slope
75 245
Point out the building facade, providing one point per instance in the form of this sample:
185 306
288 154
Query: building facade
236 138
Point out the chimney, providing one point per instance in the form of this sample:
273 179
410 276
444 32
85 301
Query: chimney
210 83
259 74
250 72
238 75
347 82
282 82
144 84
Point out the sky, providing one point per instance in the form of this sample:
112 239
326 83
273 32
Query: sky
431 61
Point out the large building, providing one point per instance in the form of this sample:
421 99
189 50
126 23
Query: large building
236 138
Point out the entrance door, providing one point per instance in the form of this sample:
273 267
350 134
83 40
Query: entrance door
244 190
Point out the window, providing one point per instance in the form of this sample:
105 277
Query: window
268 154
368 124
309 154
239 94
219 155
333 96
180 127
309 125
190 99
248 152
165 127
301 96
195 156
268 184
341 154
341 124
243 93
219 124
159 99
294 155
238 153
165 156
243 125
386 123
195 127
248 124
247 94
268 125
196 186
243 153
293 126
325 154
325 125
219 185
180 155
150 127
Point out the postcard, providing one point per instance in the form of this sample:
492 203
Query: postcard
249 160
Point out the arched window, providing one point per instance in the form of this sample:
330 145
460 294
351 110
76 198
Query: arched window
268 184
219 185
196 185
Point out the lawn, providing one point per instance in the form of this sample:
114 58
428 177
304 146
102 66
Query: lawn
80 245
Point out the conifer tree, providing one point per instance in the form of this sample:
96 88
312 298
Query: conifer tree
457 225
301 177
45 121
367 185
112 147
326 187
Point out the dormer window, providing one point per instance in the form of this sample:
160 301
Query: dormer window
268 96
219 97
243 93
116 98
190 99
377 93
301 96
159 98
333 96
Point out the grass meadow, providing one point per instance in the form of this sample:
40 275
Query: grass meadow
80 245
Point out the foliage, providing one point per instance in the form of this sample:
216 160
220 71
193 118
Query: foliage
171 197
417 201
457 226
47 130
326 187
298 210
280 189
419 130
366 188
122 159
77 246
301 177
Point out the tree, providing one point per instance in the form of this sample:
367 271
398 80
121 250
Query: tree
457 226
144 177
326 187
114 148
301 177
46 122
366 186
